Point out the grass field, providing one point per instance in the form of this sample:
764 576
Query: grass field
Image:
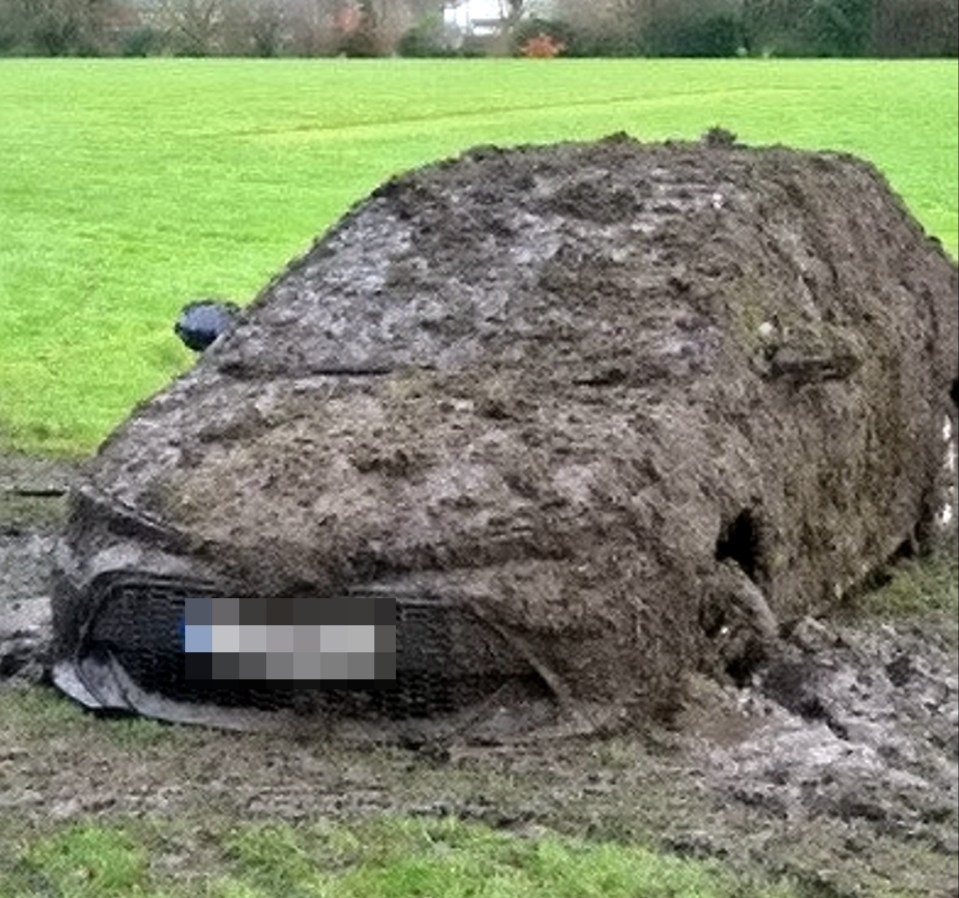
393 858
129 187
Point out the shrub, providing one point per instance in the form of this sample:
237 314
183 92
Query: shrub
543 38
360 44
711 36
428 37
143 41
542 46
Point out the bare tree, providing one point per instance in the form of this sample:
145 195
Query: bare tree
194 24
253 27
915 28
324 27
384 22
311 26
56 27
266 27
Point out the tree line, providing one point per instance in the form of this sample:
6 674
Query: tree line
879 28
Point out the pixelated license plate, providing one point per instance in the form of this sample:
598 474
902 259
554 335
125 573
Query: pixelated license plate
295 642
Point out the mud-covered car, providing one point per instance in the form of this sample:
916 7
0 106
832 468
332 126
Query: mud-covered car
580 418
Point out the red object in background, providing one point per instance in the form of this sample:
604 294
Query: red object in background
543 46
348 19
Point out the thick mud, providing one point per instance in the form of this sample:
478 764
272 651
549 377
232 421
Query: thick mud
834 765
633 408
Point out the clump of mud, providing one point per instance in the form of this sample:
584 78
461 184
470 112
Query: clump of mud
631 407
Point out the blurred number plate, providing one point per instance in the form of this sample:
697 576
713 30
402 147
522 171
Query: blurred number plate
334 643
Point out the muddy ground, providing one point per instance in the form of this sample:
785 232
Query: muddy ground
835 766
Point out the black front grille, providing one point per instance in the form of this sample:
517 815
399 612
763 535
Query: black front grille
446 657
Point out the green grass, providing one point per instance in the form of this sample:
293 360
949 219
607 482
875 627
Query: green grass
43 716
399 858
914 587
128 187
